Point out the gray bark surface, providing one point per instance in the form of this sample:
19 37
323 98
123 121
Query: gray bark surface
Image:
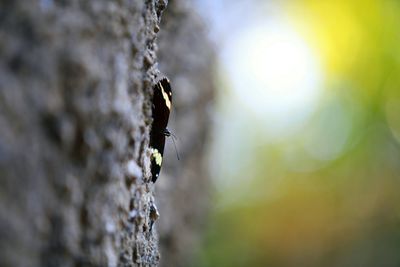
76 82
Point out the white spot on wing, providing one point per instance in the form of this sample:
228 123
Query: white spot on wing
156 156
165 96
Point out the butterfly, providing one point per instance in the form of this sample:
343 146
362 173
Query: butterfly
161 106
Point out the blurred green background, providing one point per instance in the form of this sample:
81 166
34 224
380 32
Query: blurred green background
305 152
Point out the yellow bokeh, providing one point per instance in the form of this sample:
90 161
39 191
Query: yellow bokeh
325 194
356 40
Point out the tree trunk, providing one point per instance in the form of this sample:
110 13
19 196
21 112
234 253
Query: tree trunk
186 56
76 81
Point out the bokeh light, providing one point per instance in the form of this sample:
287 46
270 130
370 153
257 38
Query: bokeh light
276 76
306 152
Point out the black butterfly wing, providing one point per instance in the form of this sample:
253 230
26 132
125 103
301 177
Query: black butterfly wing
161 108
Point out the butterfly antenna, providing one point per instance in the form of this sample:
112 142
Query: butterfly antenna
173 141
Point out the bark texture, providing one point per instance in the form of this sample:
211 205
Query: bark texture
76 82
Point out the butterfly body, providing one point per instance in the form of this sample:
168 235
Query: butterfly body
161 106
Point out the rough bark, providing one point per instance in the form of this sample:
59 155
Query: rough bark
75 110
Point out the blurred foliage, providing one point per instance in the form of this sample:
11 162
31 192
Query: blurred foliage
328 195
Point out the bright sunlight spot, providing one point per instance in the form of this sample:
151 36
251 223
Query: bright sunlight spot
277 77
